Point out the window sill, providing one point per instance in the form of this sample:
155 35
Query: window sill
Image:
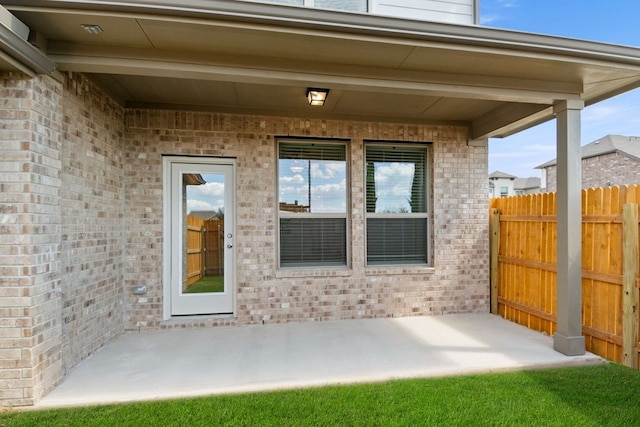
390 270
314 272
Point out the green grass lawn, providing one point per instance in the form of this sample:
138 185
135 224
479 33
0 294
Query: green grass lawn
603 395
207 284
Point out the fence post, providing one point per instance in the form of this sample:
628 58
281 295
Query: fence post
630 287
494 249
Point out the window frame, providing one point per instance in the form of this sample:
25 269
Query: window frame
345 143
427 215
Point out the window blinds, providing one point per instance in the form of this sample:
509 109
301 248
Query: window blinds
313 241
396 241
313 151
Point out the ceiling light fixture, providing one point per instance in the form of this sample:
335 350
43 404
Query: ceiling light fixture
317 96
91 28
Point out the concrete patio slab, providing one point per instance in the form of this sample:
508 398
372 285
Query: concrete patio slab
195 362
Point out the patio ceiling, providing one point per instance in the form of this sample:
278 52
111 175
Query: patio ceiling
244 57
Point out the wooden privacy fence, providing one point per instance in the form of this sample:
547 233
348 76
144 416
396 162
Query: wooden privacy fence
195 249
213 242
204 256
523 267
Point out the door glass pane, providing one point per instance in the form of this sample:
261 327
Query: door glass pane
203 233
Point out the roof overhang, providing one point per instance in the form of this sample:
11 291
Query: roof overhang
245 57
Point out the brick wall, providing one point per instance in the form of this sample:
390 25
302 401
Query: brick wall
92 202
457 283
61 236
602 171
30 218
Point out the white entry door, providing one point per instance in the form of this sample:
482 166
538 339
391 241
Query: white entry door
201 233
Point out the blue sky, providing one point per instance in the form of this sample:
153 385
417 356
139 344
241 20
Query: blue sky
608 21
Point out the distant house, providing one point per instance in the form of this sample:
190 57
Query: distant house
206 215
526 185
611 160
502 184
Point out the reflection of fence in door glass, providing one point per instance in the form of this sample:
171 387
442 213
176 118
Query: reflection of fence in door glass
205 234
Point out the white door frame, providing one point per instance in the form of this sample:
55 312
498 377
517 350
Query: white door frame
168 262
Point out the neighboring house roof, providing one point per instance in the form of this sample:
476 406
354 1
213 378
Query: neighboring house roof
526 183
204 214
499 174
259 58
626 145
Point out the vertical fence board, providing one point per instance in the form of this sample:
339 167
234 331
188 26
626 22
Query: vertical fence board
495 248
630 286
195 249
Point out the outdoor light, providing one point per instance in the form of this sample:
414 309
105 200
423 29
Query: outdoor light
317 96
91 28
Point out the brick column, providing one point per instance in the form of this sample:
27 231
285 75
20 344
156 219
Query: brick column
30 238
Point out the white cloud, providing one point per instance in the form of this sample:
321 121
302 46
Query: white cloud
617 116
395 172
488 19
329 198
214 189
327 170
295 190
201 205
492 12
292 179
329 188
393 186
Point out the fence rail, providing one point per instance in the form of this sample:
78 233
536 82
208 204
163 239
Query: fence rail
523 266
